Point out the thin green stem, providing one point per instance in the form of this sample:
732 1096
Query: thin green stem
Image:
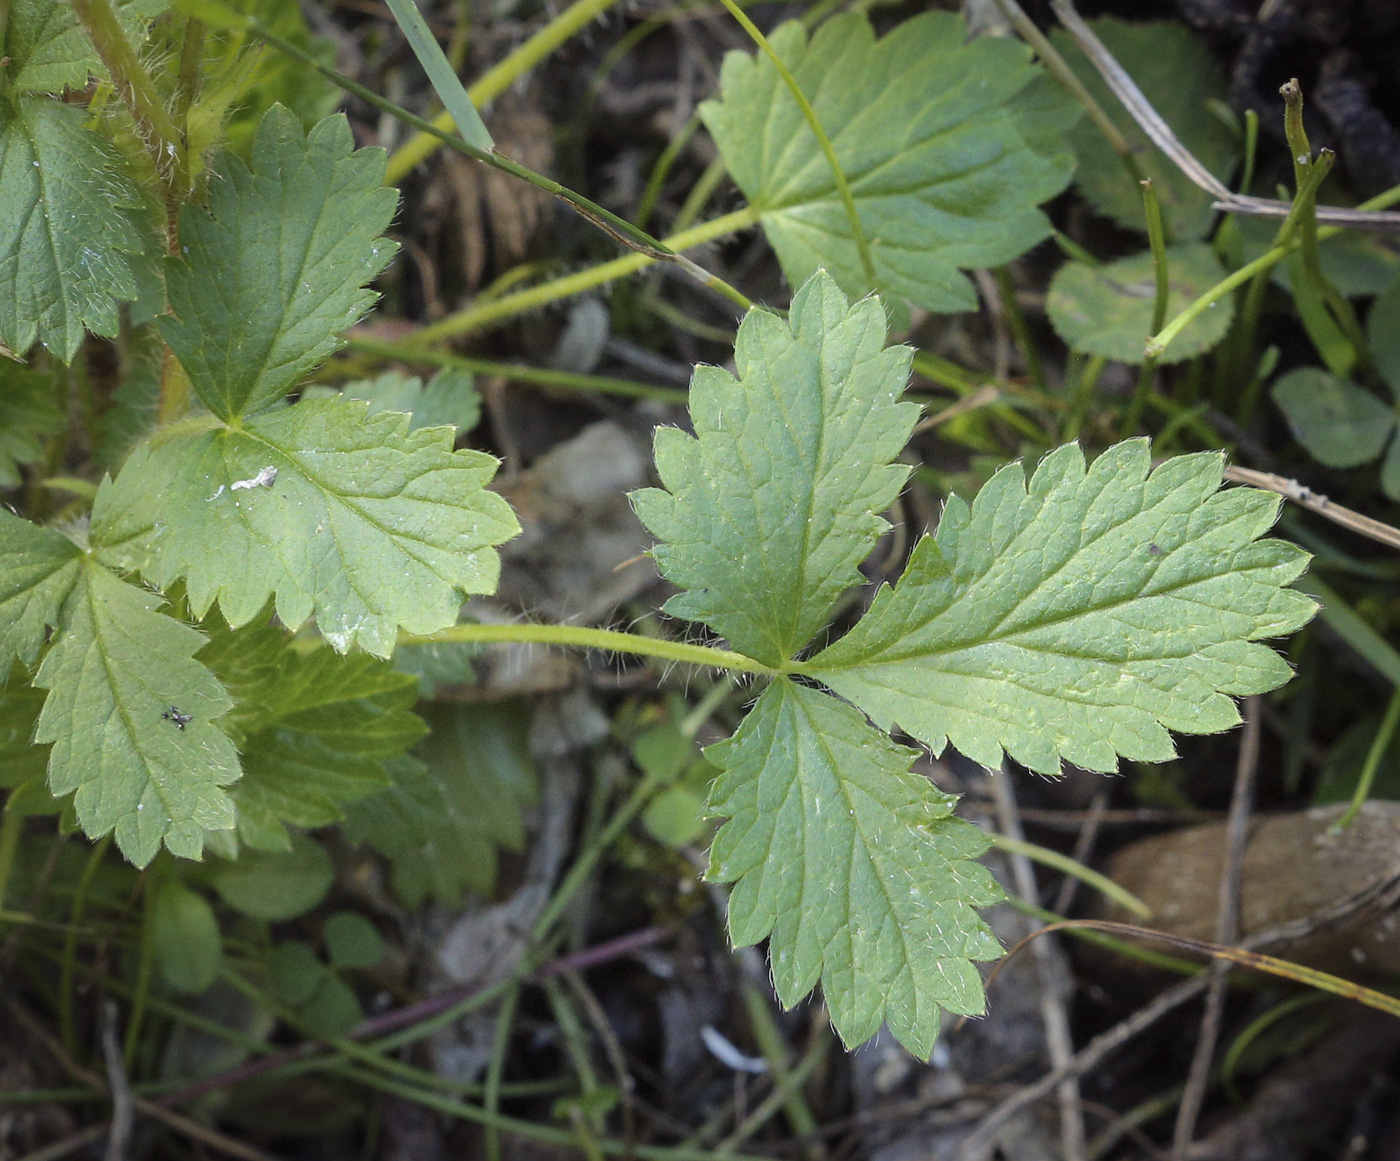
143 976
455 100
662 170
1020 330
1088 380
11 827
495 81
1157 240
609 640
67 1026
1379 745
699 196
843 188
1063 863
133 84
619 229
788 1090
495 1072
478 318
408 352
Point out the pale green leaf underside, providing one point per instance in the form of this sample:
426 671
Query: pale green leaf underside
38 569
116 668
773 503
852 866
71 240
1079 619
335 512
276 267
946 155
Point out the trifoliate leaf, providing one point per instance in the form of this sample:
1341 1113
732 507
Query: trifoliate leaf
1178 74
28 411
72 239
349 516
1079 618
1342 425
1107 310
131 716
276 267
47 49
852 866
38 569
275 885
449 398
772 504
315 730
185 934
446 816
928 131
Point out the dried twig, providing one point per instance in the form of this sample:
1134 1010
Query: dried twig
1386 534
118 1085
1161 135
1052 979
1227 930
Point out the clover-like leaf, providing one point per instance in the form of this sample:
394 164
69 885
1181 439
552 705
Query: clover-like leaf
38 569
852 866
1342 425
276 267
1107 310
1079 618
314 730
333 511
72 240
773 503
1178 74
131 715
948 148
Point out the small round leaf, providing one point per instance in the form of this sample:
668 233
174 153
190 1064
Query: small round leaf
276 885
1340 424
188 947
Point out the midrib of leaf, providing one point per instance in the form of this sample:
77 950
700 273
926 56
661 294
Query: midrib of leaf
865 847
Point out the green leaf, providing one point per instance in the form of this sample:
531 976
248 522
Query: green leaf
772 504
1107 310
447 815
131 715
948 148
852 866
29 411
275 269
48 50
73 240
352 941
1383 334
188 946
450 398
324 1003
347 516
1178 74
275 885
1079 618
38 569
1339 423
315 730
20 760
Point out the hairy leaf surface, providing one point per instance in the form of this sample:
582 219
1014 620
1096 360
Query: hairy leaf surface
38 569
72 239
773 503
948 148
852 866
118 674
1080 618
276 267
314 730
47 48
333 511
